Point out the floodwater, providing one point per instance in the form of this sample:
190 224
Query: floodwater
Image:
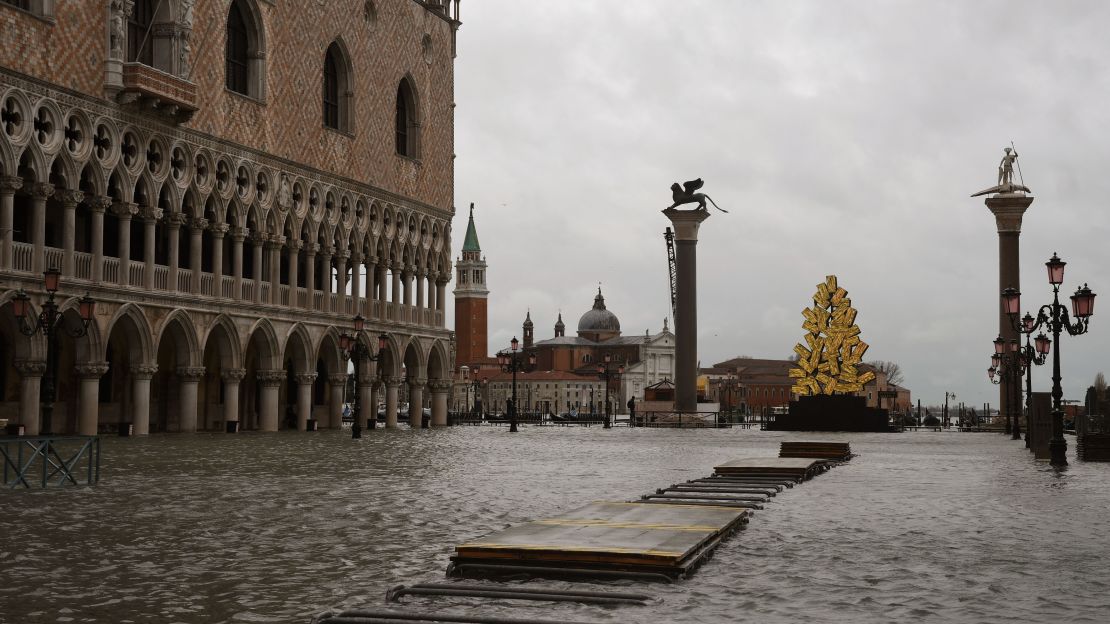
280 527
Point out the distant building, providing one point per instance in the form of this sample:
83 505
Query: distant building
767 384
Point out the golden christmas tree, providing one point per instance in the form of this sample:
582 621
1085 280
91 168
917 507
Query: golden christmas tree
827 362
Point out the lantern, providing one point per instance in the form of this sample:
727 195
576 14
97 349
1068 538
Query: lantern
999 345
1044 343
360 323
1083 302
52 277
1011 301
1055 270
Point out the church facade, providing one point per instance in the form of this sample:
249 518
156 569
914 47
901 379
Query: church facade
232 181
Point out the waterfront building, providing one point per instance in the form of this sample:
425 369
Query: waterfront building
232 181
767 384
547 392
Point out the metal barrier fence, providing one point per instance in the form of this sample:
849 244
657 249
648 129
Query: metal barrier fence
42 461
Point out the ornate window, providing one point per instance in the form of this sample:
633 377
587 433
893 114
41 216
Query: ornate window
337 90
40 8
140 38
406 121
238 41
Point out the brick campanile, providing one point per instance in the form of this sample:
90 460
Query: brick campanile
471 327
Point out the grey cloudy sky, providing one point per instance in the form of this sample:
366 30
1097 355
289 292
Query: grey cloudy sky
843 137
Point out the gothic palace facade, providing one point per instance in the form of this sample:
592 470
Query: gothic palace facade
232 181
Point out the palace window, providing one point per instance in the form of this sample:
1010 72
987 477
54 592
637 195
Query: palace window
40 8
238 64
407 127
140 39
336 88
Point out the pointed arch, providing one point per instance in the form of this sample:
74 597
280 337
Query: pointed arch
265 341
298 348
338 86
439 363
225 335
407 122
180 328
140 344
245 50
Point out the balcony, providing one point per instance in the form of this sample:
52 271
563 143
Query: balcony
149 89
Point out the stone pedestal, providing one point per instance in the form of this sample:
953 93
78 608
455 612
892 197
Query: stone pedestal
686 224
1008 209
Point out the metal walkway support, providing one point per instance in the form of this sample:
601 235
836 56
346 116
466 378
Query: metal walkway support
42 461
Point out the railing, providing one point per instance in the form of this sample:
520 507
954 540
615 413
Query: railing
111 270
184 281
161 277
82 265
54 257
41 461
439 318
227 287
22 256
206 283
135 273
283 295
265 292
248 290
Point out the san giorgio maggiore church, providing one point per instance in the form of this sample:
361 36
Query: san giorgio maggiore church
565 376
232 182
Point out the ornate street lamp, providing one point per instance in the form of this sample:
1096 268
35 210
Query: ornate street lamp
514 361
355 349
50 321
1008 363
1055 316
606 373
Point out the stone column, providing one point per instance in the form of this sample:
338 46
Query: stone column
432 277
305 421
174 221
190 377
395 291
237 236
338 386
367 400
124 211
231 378
381 285
356 282
392 384
268 416
69 200
406 285
150 216
39 194
441 287
416 401
258 239
88 416
310 275
371 286
341 281
292 255
30 405
140 397
219 230
439 388
8 186
97 207
196 251
420 278
1008 209
325 283
686 224
276 243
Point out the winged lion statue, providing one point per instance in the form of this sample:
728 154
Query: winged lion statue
686 194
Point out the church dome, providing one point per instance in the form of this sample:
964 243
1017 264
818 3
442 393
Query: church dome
598 319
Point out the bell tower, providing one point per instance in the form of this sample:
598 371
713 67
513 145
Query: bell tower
471 324
528 330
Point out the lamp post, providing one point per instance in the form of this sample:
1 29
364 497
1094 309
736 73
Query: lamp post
50 321
513 360
1055 316
1007 364
605 373
1032 356
947 395
354 349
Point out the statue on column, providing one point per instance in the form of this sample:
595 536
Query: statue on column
686 194
121 10
1006 182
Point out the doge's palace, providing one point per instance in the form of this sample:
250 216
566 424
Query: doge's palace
232 181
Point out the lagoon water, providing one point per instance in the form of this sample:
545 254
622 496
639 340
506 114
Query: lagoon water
280 527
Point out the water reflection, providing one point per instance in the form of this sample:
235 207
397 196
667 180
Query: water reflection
277 527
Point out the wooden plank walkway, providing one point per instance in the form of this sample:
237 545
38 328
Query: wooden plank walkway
802 468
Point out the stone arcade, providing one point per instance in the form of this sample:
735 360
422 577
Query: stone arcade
171 160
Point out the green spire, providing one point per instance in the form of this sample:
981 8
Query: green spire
471 241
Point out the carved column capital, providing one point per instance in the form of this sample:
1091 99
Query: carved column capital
337 379
258 238
69 198
99 204
238 234
391 382
30 368
327 250
150 213
442 279
342 254
371 259
219 229
198 224
439 385
42 190
305 379
233 374
91 370
417 382
143 371
276 242
175 220
125 210
294 245
191 373
10 184
270 378
311 248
